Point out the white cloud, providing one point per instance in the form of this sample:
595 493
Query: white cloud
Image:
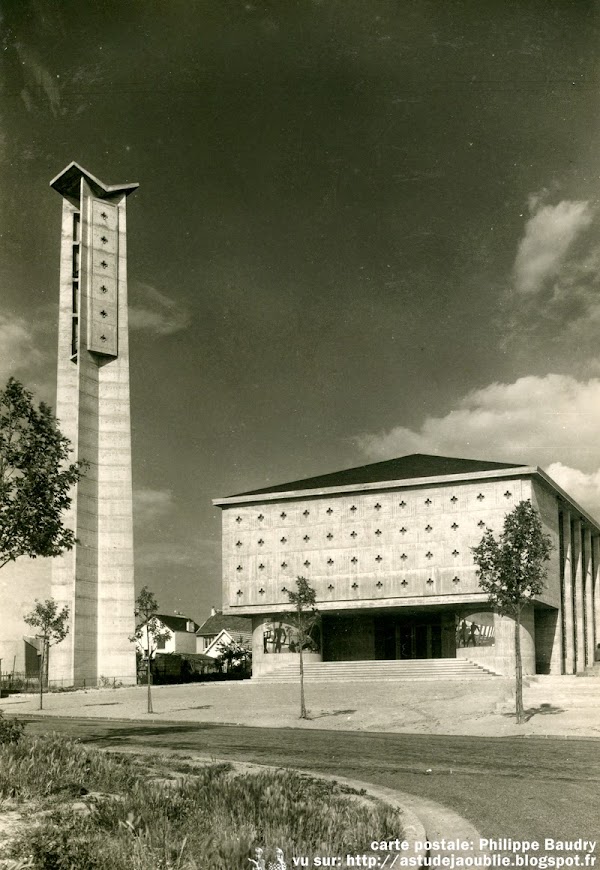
549 234
20 353
583 487
154 311
555 296
550 421
151 504
537 199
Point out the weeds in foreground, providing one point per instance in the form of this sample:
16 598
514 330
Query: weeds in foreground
11 730
212 819
37 767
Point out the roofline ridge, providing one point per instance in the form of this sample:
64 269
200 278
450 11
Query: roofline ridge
373 486
291 486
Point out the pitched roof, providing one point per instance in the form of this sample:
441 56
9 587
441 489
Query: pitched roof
33 641
214 624
237 636
176 623
414 465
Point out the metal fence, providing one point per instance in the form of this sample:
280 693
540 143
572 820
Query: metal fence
21 682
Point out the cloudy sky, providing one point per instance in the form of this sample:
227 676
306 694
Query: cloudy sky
364 228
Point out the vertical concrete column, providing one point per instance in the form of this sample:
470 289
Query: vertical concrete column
95 579
548 642
596 587
589 598
85 610
115 498
578 598
261 627
504 648
556 645
74 576
567 593
67 411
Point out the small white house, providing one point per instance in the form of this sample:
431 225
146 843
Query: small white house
182 635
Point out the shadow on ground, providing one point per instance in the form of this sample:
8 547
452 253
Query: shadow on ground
200 707
542 710
332 713
103 704
118 735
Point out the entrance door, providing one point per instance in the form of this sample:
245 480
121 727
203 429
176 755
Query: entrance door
385 638
407 638
422 645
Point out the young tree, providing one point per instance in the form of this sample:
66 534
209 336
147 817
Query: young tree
34 478
148 630
52 629
511 570
303 618
235 655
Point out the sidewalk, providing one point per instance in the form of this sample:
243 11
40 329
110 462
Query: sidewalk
478 708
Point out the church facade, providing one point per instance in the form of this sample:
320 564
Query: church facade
387 548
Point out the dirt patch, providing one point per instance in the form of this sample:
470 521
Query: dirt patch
12 822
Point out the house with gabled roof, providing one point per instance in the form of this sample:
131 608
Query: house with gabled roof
387 548
182 631
222 628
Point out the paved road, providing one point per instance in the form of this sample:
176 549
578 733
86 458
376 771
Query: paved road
524 788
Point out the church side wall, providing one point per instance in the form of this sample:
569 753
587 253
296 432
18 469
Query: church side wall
409 547
397 547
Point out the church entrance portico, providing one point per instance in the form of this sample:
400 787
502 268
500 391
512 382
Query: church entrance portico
465 633
390 635
408 637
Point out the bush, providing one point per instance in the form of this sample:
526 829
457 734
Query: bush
49 764
213 818
64 847
11 730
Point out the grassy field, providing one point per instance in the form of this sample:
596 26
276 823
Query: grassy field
94 810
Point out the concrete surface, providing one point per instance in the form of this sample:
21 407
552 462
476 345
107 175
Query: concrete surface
481 708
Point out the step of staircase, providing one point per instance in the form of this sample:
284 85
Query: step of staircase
370 671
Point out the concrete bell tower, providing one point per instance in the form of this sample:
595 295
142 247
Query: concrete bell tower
95 579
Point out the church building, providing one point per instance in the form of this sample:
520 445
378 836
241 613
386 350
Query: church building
387 548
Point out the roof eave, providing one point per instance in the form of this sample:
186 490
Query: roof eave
403 483
406 483
569 500
66 182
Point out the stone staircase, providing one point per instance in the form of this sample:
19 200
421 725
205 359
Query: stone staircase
370 671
